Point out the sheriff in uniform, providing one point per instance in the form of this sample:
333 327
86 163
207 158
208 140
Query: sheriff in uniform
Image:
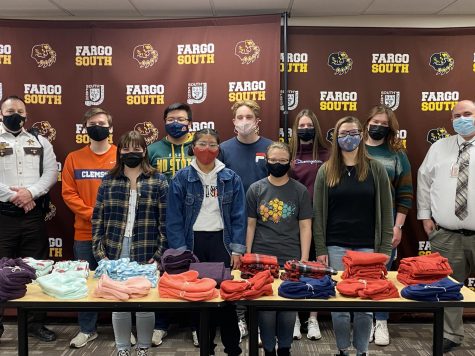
27 172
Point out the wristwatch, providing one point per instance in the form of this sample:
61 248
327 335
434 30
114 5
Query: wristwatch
399 226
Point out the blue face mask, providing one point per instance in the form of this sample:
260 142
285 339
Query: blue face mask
464 126
176 130
349 143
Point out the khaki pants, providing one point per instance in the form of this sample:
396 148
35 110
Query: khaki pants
460 251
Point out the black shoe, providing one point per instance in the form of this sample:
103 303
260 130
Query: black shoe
42 333
449 345
269 353
283 351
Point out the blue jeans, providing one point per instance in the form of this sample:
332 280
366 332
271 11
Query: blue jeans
341 320
278 324
83 251
385 315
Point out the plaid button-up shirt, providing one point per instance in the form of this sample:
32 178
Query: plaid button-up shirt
110 217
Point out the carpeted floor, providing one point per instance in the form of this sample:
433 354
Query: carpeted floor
407 339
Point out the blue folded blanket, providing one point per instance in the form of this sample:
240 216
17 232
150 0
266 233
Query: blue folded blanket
308 288
445 289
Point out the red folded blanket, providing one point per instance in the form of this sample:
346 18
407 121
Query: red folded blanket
253 258
377 271
423 269
353 258
187 286
368 289
252 288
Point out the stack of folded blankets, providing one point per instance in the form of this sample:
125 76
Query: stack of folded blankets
42 267
187 286
82 267
423 269
365 276
253 263
295 269
134 287
64 285
364 265
308 288
444 289
14 276
176 261
257 286
123 269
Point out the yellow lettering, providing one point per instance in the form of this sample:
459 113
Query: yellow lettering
5 59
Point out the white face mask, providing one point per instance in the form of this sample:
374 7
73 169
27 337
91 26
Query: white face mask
245 129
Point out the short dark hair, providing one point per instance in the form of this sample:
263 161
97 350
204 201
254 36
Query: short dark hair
12 97
178 106
199 134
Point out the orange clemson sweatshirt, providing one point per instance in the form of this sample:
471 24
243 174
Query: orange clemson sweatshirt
82 175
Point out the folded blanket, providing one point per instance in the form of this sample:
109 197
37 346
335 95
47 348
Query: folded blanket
308 288
423 269
445 289
252 288
176 261
67 285
187 286
253 258
376 289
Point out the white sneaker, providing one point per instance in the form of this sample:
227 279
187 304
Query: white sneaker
242 329
133 341
371 334
158 336
259 341
381 333
196 341
123 353
297 333
142 351
313 329
81 339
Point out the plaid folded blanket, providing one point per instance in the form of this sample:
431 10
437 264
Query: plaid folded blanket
253 258
253 263
295 269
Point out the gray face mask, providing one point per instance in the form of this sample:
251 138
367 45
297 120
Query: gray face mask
349 143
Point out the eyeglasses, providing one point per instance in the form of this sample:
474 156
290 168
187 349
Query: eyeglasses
212 146
281 161
181 120
354 132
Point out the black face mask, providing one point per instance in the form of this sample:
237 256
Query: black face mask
132 159
378 132
306 134
278 169
97 133
14 123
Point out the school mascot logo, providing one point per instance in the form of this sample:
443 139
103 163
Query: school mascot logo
145 55
329 135
148 131
197 93
442 63
44 55
94 94
51 212
247 51
435 135
340 62
390 99
46 130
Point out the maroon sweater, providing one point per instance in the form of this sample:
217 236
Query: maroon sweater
305 168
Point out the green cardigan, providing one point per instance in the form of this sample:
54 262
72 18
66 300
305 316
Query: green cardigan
384 220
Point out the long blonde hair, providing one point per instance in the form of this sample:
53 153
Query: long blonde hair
318 141
335 166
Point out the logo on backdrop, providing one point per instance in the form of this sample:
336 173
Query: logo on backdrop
44 55
390 63
434 135
296 62
441 62
94 94
200 125
144 94
247 51
340 62
5 54
50 94
471 284
439 100
338 100
145 55
402 135
197 93
148 131
195 53
390 99
424 248
55 247
93 56
247 90
292 99
83 137
46 130
473 66
329 135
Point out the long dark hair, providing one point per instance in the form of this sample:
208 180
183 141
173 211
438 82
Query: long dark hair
131 139
318 141
198 135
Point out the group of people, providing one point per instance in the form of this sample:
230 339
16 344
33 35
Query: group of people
303 201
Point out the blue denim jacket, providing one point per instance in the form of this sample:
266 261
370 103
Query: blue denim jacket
184 203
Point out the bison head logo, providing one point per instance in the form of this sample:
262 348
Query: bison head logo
44 55
46 130
340 62
247 51
148 131
330 134
442 62
145 55
435 135
51 213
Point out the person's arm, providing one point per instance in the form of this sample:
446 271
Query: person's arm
305 227
403 196
251 203
162 213
251 229
386 205
70 192
317 224
424 182
238 218
98 233
175 215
